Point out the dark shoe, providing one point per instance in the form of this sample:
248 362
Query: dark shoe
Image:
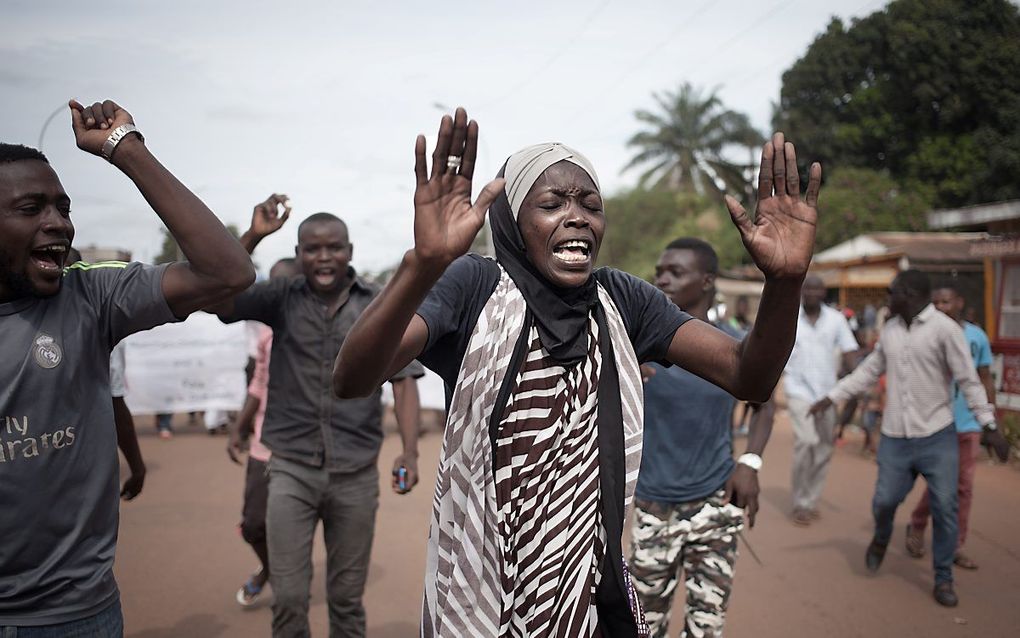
963 561
873 557
915 541
945 596
815 514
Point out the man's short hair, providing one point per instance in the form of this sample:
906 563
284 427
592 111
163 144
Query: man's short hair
17 152
948 284
316 218
706 254
915 281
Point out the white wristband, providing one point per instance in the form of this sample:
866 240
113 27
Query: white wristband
752 461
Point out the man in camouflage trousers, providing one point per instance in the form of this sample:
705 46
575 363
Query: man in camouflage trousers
691 496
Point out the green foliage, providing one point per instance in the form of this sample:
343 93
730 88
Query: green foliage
860 200
682 146
170 252
641 222
1011 429
928 90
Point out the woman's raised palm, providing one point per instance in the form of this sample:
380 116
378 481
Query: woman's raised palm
781 238
445 220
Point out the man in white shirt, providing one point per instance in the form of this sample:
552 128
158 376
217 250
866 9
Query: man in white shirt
920 350
810 373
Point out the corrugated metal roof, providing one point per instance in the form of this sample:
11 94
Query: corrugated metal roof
926 247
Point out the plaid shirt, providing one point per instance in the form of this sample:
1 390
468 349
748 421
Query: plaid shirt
920 362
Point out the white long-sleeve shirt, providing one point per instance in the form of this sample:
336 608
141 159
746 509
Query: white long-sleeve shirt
920 361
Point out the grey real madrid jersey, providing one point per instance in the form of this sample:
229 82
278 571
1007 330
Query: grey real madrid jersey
58 442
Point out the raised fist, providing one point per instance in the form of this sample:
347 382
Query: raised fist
266 218
93 124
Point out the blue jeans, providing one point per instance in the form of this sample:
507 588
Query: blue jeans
108 623
163 422
937 459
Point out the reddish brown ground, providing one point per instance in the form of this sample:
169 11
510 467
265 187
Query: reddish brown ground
181 559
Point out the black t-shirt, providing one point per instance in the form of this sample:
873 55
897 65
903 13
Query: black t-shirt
454 304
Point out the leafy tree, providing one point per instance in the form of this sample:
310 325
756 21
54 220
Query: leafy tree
859 200
927 90
682 146
641 222
169 251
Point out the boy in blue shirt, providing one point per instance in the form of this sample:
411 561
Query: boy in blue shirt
948 299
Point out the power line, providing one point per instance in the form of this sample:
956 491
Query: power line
749 74
769 13
548 63
651 51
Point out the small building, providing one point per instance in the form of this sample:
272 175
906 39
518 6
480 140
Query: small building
999 249
860 270
92 254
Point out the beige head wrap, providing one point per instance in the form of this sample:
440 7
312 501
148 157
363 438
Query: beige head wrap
526 165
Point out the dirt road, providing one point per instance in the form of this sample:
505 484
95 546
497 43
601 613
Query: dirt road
181 559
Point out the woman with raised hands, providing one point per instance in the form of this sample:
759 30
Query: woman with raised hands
540 353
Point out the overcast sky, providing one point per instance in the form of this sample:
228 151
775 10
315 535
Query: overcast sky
322 100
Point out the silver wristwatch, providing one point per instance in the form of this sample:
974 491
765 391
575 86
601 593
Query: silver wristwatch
116 136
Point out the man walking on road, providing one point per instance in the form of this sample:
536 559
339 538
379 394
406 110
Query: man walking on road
691 497
810 373
948 299
919 350
324 449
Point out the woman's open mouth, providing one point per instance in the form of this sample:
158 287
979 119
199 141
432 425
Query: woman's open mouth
573 251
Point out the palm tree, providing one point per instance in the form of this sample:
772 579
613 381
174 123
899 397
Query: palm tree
684 143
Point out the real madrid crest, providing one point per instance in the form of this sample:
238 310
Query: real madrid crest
47 351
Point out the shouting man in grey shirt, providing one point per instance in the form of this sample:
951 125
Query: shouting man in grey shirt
58 443
921 351
324 448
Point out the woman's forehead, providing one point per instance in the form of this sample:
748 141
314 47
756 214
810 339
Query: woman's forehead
564 175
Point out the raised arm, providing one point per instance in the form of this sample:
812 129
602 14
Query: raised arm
445 224
266 218
216 267
780 240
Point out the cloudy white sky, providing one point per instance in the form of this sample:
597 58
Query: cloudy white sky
322 100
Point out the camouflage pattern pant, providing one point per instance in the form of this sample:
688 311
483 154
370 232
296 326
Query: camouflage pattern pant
700 537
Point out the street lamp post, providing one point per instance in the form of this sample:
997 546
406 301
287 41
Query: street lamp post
46 124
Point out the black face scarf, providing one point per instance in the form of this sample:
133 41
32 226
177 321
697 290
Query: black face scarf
560 314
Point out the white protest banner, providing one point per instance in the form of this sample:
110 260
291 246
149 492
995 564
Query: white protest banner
194 365
431 392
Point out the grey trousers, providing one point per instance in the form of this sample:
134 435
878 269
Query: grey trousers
299 497
812 451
